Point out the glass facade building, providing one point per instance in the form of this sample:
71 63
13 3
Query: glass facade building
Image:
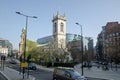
87 41
69 37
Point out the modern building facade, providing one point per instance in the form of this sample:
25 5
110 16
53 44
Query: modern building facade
6 47
46 40
71 40
76 44
3 51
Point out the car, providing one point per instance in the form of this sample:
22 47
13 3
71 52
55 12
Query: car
31 66
105 63
14 61
86 64
64 73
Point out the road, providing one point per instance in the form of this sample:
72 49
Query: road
40 74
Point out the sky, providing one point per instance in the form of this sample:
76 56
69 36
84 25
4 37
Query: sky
91 14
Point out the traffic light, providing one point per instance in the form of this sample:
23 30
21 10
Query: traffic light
3 57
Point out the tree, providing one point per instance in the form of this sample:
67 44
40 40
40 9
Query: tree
30 45
36 53
76 54
33 50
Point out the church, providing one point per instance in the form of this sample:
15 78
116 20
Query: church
60 43
56 47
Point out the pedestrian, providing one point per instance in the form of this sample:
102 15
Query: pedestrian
107 67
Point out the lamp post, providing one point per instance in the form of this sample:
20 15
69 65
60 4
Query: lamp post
25 36
81 46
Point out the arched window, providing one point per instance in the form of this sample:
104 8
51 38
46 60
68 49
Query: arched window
55 27
62 27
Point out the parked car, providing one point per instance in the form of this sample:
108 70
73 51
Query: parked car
14 61
105 63
86 64
63 73
31 66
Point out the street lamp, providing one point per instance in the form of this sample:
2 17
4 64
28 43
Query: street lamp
81 46
25 34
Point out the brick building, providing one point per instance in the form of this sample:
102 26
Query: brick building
112 38
108 43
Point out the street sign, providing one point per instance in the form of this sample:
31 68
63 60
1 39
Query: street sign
24 64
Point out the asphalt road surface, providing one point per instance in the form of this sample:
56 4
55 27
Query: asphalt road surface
45 75
39 74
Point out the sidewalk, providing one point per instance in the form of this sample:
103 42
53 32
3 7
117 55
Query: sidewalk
12 74
99 73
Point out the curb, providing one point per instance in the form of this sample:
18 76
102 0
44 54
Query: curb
100 78
4 75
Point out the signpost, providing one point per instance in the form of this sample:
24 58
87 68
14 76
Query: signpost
24 64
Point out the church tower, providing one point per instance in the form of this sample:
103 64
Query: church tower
21 44
59 31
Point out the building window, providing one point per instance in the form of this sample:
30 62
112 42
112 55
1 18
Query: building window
117 34
62 27
113 34
110 35
55 27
